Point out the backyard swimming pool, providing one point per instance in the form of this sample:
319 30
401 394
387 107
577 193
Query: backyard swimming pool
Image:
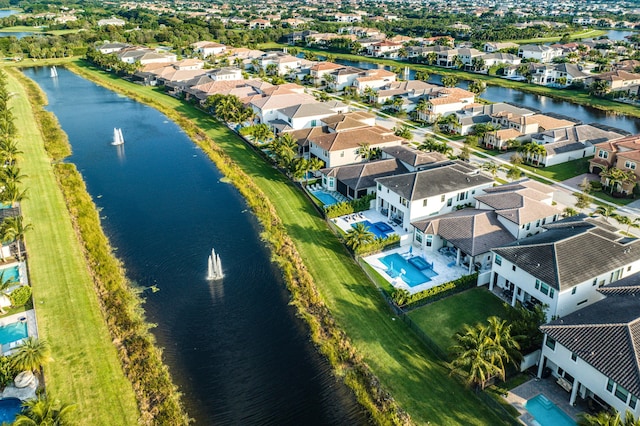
547 413
11 274
13 332
9 408
327 199
398 266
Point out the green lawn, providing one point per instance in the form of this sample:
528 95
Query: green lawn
37 30
419 383
442 319
563 171
86 369
574 36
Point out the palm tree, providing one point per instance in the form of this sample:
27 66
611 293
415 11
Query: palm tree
370 93
43 411
359 236
569 211
430 144
608 418
477 87
599 88
13 230
9 150
449 81
11 174
403 132
422 75
5 286
365 151
477 356
514 173
605 211
500 332
31 355
422 107
11 194
624 220
491 167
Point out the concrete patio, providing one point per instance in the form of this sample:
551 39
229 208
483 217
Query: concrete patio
551 390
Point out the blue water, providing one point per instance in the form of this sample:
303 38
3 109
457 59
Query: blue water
326 199
419 263
12 332
383 227
547 413
9 408
397 264
10 274
371 228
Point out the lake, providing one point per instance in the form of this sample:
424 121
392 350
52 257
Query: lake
234 347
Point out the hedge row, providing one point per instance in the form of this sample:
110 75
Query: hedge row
378 245
405 300
331 340
158 398
349 207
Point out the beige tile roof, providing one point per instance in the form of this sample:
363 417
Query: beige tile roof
547 123
348 139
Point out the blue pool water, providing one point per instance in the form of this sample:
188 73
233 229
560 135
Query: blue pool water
12 332
12 274
397 266
326 199
9 408
372 228
547 413
383 227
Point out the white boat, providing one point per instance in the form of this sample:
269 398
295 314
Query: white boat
214 270
54 72
118 139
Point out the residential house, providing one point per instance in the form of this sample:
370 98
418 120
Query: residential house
299 116
208 48
354 181
539 52
225 74
413 196
283 62
623 154
491 47
445 101
499 58
413 159
617 79
571 143
347 17
298 36
319 69
385 48
520 128
467 55
593 353
108 48
563 267
409 89
342 148
260 24
343 77
374 79
116 22
265 105
145 56
473 114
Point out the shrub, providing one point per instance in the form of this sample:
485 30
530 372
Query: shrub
20 296
7 372
378 244
348 207
446 289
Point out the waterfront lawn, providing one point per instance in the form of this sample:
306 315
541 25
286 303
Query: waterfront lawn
416 379
85 370
442 319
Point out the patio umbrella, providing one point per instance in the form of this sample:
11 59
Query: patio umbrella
411 250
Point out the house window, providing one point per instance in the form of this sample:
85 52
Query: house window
628 268
424 203
429 240
404 202
324 180
418 235
498 259
379 187
449 202
630 165
528 226
621 393
538 223
573 290
551 292
595 281
513 268
610 385
537 284
574 357
603 154
633 402
551 344
442 198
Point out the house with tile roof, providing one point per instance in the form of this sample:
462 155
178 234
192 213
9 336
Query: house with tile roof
107 48
623 154
413 159
413 196
563 267
540 52
265 105
373 78
341 148
520 128
208 48
445 100
299 116
616 79
472 114
354 181
593 353
571 143
491 59
384 48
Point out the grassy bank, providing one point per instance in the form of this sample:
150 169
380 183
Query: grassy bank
418 382
574 96
86 369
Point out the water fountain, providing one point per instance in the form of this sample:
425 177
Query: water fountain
214 266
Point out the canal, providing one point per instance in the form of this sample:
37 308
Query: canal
234 347
528 100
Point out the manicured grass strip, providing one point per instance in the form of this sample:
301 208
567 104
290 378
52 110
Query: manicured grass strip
86 370
442 319
405 367
574 36
563 171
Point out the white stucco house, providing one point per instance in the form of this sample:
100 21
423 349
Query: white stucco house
412 196
592 353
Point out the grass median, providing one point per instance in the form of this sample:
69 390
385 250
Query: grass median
415 378
86 370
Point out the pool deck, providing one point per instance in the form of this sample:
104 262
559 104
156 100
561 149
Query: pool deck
518 396
441 266
373 216
32 326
